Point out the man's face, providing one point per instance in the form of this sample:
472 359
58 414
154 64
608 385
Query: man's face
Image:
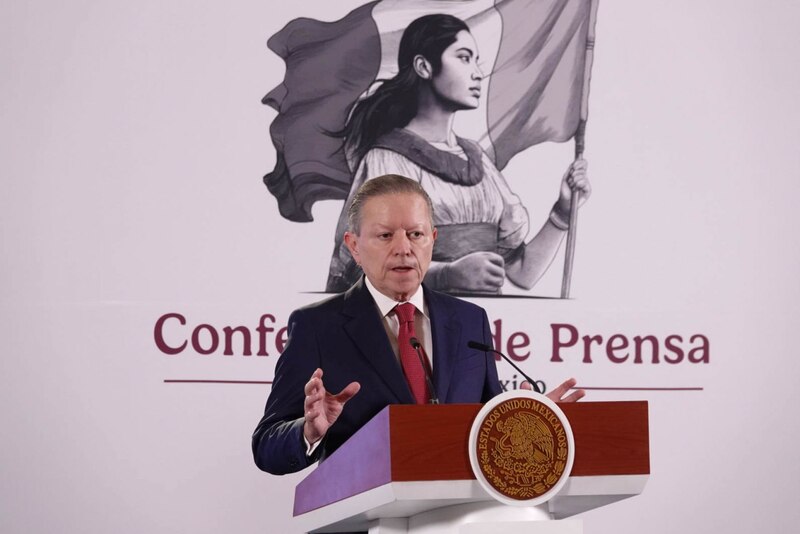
395 243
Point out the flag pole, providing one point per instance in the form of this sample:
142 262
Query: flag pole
580 145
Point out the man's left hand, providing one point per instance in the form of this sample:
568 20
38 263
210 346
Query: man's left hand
558 394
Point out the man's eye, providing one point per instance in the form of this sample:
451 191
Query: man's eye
384 235
415 235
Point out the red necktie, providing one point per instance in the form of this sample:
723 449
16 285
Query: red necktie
412 366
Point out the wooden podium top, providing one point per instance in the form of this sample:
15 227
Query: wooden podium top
406 443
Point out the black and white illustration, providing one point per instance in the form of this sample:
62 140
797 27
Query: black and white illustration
383 91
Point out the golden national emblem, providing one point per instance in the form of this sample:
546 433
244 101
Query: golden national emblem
521 447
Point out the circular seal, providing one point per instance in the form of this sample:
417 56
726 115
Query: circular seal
521 448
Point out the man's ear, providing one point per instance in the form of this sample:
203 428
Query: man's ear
351 240
422 67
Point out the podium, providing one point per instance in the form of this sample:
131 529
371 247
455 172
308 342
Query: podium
409 465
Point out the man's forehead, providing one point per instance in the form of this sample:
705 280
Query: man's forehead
420 224
399 196
398 203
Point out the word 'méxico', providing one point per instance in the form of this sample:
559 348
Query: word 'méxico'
175 335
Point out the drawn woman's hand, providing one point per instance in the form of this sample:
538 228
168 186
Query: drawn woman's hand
477 272
575 179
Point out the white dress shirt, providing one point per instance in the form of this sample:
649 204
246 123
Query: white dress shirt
422 321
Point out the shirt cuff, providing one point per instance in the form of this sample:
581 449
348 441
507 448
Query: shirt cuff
311 447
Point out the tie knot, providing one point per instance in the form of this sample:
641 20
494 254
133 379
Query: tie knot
405 312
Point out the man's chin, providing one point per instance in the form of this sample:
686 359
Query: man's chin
405 286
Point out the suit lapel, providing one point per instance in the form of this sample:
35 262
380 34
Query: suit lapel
366 330
446 334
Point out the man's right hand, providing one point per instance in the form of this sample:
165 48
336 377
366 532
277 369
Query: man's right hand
321 409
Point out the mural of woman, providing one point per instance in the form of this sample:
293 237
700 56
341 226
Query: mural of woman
405 127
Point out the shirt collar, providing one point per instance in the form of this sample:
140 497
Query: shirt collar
386 305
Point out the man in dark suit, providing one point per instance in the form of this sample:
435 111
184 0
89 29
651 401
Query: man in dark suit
352 339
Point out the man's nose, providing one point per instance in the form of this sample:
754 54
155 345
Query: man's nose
401 244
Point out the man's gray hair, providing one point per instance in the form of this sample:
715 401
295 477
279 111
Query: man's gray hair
388 184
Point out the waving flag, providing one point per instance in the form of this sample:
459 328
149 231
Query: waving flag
533 52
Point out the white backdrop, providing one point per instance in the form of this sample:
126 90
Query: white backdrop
133 145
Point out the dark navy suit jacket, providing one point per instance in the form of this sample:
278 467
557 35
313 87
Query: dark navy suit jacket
345 337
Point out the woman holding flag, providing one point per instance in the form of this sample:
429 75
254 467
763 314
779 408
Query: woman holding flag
405 127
